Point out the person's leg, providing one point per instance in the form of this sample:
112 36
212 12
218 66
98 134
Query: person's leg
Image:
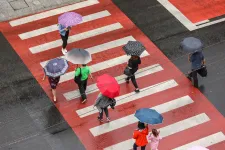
134 83
54 94
195 78
143 147
100 116
64 39
82 92
135 146
106 113
85 84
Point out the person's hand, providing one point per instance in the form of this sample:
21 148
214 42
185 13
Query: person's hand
66 29
43 78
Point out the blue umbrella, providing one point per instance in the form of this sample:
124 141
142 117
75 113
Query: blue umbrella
191 45
56 67
149 116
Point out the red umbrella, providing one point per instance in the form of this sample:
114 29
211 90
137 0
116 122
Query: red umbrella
108 86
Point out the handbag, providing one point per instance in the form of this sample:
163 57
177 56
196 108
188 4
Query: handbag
203 71
113 104
127 71
77 79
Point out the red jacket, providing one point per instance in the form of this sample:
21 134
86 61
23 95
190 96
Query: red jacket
140 137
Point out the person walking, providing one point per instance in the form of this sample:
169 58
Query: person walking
197 61
64 33
102 102
53 83
140 136
154 138
82 74
133 63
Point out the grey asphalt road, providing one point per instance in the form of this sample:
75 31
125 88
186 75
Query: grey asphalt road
167 32
28 119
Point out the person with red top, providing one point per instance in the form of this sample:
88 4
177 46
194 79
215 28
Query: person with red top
140 136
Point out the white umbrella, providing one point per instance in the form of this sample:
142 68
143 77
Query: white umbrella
78 56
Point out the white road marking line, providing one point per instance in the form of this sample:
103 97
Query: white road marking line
211 23
75 38
101 66
103 47
125 121
120 79
166 131
176 13
132 96
204 142
53 12
54 27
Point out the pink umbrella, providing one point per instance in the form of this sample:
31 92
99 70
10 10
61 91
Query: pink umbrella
198 148
70 19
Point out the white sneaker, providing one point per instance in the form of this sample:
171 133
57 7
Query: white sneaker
64 51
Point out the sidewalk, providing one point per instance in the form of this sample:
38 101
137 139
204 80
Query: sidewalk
10 9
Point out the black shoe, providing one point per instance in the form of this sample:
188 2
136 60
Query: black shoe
137 90
101 120
127 81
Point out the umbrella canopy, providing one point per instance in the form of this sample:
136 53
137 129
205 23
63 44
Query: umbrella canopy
198 148
135 48
56 67
149 116
70 19
108 86
191 45
78 56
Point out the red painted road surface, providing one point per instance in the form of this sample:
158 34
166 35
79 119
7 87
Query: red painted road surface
200 10
68 109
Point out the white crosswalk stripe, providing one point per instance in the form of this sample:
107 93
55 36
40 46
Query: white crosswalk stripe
132 96
125 121
204 142
53 12
164 85
103 47
101 66
75 38
120 79
166 131
54 27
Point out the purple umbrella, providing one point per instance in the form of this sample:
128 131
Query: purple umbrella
70 19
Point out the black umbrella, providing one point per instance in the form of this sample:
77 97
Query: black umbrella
191 44
135 48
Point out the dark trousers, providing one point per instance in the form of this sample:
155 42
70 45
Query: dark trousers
132 77
64 39
135 147
82 88
106 113
194 76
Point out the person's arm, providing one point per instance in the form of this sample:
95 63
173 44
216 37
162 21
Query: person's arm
135 135
77 72
44 77
189 57
139 61
61 28
90 74
130 65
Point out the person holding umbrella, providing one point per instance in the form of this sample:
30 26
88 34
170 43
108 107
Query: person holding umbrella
109 89
81 57
81 78
64 33
140 136
135 49
54 69
194 46
65 22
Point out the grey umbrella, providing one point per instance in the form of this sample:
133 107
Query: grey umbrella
134 48
78 56
191 44
56 67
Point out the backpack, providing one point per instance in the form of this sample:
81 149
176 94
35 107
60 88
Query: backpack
77 79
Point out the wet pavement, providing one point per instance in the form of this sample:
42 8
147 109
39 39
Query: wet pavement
167 33
29 120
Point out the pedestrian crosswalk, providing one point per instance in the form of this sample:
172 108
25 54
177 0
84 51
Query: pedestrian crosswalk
162 86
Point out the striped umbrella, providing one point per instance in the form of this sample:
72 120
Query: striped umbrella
70 19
